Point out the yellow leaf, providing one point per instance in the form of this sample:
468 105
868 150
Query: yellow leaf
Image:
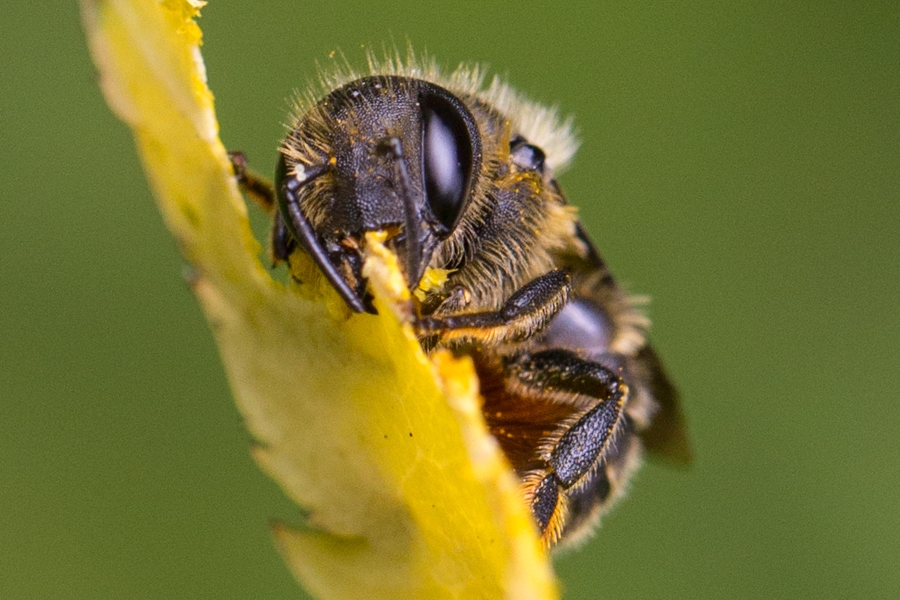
407 494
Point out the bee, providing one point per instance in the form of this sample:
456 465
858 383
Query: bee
462 180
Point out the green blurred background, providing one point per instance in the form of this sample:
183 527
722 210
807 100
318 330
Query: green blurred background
740 163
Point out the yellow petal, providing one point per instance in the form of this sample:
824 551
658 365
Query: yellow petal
407 495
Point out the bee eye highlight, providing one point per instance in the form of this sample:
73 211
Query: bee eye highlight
447 158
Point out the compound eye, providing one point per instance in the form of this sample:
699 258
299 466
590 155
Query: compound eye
447 156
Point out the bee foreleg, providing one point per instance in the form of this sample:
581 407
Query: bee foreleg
526 312
257 187
261 191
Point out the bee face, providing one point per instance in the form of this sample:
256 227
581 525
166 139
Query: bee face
388 154
461 179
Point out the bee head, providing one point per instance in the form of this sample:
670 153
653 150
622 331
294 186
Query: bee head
389 154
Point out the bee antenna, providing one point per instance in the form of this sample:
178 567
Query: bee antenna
394 147
303 231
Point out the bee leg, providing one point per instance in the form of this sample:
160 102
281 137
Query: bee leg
579 447
548 506
572 455
257 187
261 191
527 311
